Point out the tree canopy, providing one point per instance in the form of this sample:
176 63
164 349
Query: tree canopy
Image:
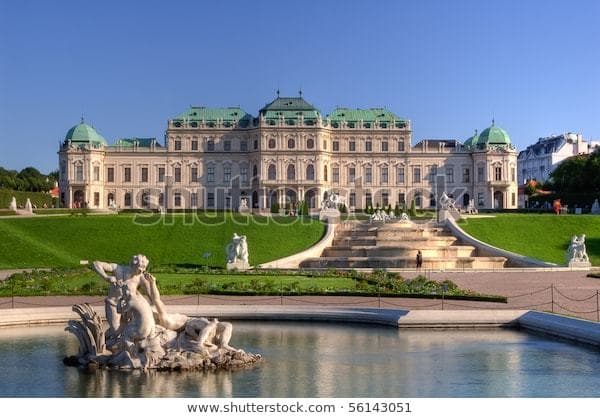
577 179
28 180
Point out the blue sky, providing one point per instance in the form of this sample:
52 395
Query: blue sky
449 66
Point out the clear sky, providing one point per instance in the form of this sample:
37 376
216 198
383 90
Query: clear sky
449 66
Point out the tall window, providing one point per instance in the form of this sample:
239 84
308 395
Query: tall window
227 145
177 145
194 145
272 172
325 172
144 175
177 174
368 146
161 199
110 174
368 175
255 144
210 174
127 174
352 200
226 174
97 199
480 176
401 198
161 174
291 172
513 174
96 174
498 173
351 174
335 176
400 175
310 172
310 143
177 199
194 200
210 200
401 146
384 146
352 146
385 198
194 174
78 173
466 175
272 143
210 145
244 146
513 199
416 174
368 199
449 175
432 172
336 145
291 143
127 199
383 175
255 171
244 174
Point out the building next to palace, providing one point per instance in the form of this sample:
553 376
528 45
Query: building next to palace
216 158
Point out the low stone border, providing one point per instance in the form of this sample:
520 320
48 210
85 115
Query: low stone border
572 329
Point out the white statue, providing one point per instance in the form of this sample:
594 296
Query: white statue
379 216
595 208
331 202
471 208
244 203
28 206
404 218
142 334
576 252
237 253
446 203
112 205
13 204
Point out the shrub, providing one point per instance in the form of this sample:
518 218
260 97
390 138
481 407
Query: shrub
274 207
413 208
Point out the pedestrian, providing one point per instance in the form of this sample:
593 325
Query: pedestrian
419 259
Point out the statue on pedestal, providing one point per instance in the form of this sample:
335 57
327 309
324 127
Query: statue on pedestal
13 204
595 208
142 334
577 253
237 253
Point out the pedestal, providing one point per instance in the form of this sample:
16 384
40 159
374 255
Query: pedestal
238 265
329 215
580 265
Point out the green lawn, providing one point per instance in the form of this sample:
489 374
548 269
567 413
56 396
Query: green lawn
542 236
193 239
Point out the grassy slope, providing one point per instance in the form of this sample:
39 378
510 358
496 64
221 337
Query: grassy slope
37 198
542 236
173 239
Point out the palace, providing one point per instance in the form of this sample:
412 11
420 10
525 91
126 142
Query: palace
219 158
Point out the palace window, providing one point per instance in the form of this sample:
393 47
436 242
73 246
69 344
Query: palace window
416 174
177 199
399 175
498 173
351 174
227 145
368 146
385 199
96 174
272 172
352 200
256 144
325 173
384 146
272 143
78 173
194 174
161 174
449 175
335 174
310 143
254 170
127 199
161 199
244 146
210 174
244 174
177 145
480 175
194 200
291 172
480 199
383 174
368 199
210 200
336 145
352 146
110 174
401 198
368 175
194 145
513 174
97 199
466 175
226 174
400 146
177 174
432 172
144 175
210 145
127 174
310 172
291 143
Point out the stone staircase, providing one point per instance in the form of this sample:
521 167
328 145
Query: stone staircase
394 246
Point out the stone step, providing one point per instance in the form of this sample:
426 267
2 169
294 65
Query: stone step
455 251
412 233
348 241
355 234
404 262
439 241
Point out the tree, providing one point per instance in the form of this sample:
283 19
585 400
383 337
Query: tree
413 208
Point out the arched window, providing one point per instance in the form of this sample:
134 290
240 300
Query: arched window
254 171
272 172
291 143
291 172
310 143
272 143
310 172
127 199
325 173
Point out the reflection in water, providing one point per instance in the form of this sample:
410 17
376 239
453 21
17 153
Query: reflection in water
323 360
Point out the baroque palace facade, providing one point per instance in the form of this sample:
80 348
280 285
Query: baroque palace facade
215 158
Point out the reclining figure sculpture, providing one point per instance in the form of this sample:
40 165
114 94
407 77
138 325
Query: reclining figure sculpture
142 334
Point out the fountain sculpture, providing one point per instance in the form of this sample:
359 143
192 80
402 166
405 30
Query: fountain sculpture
142 334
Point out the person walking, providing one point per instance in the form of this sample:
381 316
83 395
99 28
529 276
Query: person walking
419 259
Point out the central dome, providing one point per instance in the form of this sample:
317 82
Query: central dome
493 135
84 133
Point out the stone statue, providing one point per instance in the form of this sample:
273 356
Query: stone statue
404 218
142 334
28 206
13 204
576 253
446 203
379 216
331 202
244 203
237 253
595 208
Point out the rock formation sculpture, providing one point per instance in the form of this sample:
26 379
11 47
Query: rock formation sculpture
142 334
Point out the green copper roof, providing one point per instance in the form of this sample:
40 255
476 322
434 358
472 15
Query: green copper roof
140 142
366 115
493 135
226 114
472 140
84 133
289 108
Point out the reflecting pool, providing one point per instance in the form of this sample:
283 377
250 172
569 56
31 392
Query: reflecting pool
323 360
